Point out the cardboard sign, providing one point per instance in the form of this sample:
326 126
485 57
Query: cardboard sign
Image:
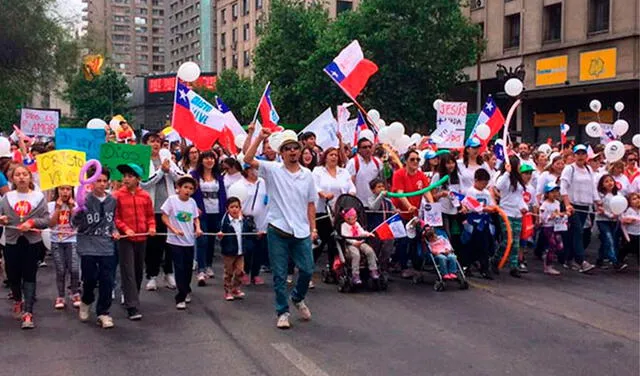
81 139
452 115
432 214
39 122
561 223
60 167
112 155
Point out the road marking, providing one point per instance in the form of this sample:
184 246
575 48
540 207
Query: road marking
304 364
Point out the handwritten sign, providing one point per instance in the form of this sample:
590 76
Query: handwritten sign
81 139
60 167
452 115
432 214
561 223
39 122
112 155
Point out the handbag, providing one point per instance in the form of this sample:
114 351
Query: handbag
250 219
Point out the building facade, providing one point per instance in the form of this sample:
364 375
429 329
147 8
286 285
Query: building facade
572 51
131 33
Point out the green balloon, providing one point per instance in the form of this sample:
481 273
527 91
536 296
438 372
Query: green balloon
420 192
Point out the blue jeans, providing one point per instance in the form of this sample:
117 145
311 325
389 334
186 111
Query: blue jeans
98 270
576 230
280 249
447 263
206 243
608 241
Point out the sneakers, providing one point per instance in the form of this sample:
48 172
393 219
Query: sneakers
283 321
303 310
449 276
258 281
311 284
202 279
574 266
246 280
75 300
187 299
59 304
170 281
17 309
375 274
181 306
585 267
27 321
485 275
105 321
620 267
122 299
550 270
406 273
209 272
42 264
515 273
238 294
522 268
228 297
355 279
83 312
152 284
134 314
290 278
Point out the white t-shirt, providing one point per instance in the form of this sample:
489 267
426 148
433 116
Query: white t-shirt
579 184
258 209
484 197
546 210
211 205
338 185
511 201
622 182
543 179
467 174
366 173
290 193
632 228
181 216
606 205
24 203
229 180
64 224
448 204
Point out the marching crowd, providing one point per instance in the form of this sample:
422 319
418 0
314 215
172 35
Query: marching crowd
129 233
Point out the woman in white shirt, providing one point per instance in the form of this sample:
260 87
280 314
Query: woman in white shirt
470 162
616 170
331 181
232 172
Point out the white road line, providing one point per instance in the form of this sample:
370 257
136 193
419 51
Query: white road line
304 364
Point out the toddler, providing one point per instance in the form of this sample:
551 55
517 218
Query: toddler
443 252
352 229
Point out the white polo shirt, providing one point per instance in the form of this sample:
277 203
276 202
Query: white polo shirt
289 196
364 175
338 185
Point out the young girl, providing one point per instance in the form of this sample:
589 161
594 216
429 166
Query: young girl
351 228
550 215
23 209
63 245
631 225
529 197
443 253
607 222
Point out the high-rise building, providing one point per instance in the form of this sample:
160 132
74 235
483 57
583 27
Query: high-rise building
131 33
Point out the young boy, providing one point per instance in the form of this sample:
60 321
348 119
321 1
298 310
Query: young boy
96 234
180 215
380 203
134 215
233 247
479 246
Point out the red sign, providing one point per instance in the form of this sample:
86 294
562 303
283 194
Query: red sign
168 84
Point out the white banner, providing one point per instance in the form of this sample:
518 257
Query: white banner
325 128
452 115
39 122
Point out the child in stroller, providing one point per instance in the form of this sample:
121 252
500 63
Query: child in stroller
443 253
352 229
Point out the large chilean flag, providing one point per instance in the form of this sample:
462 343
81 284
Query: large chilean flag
196 119
350 70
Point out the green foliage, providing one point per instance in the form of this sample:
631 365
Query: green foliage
103 97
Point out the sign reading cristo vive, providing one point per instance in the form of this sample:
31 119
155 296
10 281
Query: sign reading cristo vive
60 167
35 122
112 155
598 64
551 70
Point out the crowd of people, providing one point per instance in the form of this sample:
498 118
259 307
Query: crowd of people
147 232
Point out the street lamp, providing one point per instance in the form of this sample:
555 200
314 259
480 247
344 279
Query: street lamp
504 74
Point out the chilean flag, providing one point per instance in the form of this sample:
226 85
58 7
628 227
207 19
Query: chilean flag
350 70
469 202
196 119
232 122
564 129
361 125
492 116
391 229
268 113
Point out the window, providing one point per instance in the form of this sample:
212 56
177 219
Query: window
144 68
158 59
143 57
245 6
512 31
246 59
223 40
158 68
156 2
234 35
224 63
157 49
477 4
234 61
158 40
553 22
141 29
142 11
140 21
121 1
223 16
121 28
142 48
598 16
343 6
234 11
120 18
157 12
246 32
157 21
481 27
121 38
258 4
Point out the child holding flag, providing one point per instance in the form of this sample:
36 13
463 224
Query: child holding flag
352 229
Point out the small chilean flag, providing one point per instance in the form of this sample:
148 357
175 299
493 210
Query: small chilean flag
391 229
469 202
361 125
564 129
268 113
350 70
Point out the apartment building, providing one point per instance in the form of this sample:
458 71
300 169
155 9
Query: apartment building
571 51
191 34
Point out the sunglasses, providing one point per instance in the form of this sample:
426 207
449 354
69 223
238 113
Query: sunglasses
365 147
291 148
413 159
631 160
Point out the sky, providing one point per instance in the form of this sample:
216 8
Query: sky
71 9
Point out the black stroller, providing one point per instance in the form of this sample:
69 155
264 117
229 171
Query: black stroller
338 270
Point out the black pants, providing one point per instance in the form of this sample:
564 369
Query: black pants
158 252
100 271
633 246
254 257
324 233
479 249
21 260
183 264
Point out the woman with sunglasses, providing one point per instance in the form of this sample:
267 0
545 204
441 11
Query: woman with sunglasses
632 171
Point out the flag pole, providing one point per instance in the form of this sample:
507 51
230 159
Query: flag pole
364 112
255 116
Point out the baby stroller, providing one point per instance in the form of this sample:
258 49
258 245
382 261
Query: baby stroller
338 269
429 263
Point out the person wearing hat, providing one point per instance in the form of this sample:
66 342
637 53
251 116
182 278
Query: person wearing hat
554 222
291 218
470 162
134 216
529 197
578 190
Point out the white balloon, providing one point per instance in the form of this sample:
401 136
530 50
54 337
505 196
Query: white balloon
274 140
437 103
381 123
618 204
402 144
593 129
238 190
545 148
415 138
46 238
619 106
595 105
114 124
483 131
513 87
383 135
5 147
396 130
620 127
97 124
374 115
189 71
635 140
164 154
240 139
614 151
368 134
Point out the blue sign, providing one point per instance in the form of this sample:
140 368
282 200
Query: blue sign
81 139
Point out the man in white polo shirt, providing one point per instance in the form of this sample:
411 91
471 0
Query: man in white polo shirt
363 168
291 217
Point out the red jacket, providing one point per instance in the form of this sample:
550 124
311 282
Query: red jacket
134 212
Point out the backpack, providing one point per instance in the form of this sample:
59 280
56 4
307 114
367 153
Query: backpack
357 163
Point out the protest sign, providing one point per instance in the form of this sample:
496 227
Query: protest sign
325 128
35 122
452 115
432 214
60 167
608 134
112 155
81 139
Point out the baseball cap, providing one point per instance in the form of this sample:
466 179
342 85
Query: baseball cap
130 168
550 186
579 147
472 142
525 168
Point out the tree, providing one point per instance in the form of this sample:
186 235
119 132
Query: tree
239 93
103 97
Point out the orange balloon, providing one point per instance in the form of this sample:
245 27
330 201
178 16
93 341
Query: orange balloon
507 224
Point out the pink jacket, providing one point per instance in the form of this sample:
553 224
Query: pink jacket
440 245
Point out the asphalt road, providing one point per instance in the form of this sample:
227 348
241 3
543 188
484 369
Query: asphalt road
570 325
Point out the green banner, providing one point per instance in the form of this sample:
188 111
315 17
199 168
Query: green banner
112 155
